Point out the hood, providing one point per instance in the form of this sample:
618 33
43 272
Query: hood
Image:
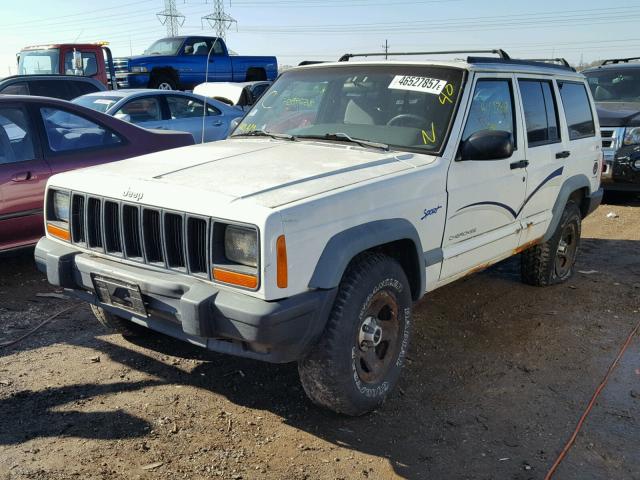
619 114
266 172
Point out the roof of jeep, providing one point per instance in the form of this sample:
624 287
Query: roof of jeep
478 64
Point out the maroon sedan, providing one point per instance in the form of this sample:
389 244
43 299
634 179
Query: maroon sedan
43 136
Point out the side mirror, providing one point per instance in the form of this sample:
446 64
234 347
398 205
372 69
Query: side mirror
487 145
77 61
234 123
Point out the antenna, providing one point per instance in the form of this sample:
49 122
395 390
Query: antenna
219 20
206 79
386 49
171 18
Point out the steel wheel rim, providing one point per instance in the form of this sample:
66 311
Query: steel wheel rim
164 86
566 251
377 338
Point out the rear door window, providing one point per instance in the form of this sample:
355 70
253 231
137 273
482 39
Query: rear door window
577 109
50 88
67 131
541 116
18 88
16 138
142 110
185 107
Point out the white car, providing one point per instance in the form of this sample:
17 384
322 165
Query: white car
348 192
242 95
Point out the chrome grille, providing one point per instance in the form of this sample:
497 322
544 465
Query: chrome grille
171 240
612 138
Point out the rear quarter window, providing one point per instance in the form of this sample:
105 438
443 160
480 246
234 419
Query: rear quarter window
577 110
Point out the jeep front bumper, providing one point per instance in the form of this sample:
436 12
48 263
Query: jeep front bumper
193 310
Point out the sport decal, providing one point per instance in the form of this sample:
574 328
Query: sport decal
552 175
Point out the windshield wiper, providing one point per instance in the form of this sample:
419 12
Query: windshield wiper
264 133
343 137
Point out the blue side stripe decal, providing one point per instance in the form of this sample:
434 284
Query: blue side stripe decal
551 176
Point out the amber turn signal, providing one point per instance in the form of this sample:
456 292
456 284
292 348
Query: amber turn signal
235 278
58 232
282 275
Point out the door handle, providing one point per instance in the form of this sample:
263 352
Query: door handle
217 124
21 177
563 154
519 164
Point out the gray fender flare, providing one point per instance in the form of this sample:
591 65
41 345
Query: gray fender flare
569 186
344 246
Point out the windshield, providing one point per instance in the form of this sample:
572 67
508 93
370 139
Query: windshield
36 62
615 85
403 106
164 46
95 103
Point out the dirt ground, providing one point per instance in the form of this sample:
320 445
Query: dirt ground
498 375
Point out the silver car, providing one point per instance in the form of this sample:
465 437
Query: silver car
166 110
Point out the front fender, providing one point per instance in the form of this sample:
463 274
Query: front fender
344 246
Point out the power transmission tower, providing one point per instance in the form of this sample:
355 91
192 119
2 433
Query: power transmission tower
386 49
219 20
171 18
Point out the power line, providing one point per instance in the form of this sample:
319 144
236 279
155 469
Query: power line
171 18
219 20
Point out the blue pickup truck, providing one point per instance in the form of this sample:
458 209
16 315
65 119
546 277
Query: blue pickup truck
180 63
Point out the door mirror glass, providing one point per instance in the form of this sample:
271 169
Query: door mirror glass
487 145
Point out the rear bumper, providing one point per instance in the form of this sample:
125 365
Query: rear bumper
196 311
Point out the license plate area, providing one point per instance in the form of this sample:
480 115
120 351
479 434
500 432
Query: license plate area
119 293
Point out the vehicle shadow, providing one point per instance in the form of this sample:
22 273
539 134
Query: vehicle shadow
485 360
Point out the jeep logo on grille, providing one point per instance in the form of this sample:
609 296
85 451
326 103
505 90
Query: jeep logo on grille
128 193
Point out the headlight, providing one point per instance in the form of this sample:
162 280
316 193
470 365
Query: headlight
637 164
138 69
60 203
58 215
632 136
241 245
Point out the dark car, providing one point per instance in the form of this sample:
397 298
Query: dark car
65 87
615 86
43 136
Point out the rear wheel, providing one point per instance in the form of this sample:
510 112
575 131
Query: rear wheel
118 324
163 82
359 357
553 261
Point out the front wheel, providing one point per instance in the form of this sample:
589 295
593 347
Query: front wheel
552 262
359 357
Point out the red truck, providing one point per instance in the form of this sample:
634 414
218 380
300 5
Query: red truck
86 59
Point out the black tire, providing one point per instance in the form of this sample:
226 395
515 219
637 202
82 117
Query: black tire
117 324
163 81
553 261
352 369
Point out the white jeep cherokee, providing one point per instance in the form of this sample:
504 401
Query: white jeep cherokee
346 193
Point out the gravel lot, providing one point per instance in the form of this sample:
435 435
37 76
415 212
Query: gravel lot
499 373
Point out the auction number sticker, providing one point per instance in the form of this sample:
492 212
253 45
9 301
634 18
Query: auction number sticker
417 84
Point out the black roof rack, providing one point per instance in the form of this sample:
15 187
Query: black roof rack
610 61
557 61
516 61
345 58
310 62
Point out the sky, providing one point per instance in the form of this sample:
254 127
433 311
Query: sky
296 30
